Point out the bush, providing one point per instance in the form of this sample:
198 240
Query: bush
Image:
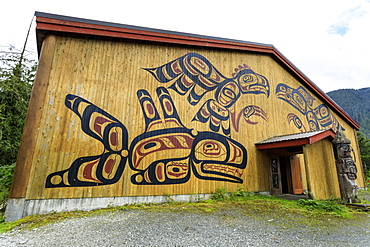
332 206
219 195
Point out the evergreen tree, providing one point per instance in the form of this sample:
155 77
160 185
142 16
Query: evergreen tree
16 76
356 102
364 144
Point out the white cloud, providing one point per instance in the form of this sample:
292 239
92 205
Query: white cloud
341 27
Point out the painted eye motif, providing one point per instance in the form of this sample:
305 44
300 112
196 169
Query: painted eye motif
248 78
149 145
210 149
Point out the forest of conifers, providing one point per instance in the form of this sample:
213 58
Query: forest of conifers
356 102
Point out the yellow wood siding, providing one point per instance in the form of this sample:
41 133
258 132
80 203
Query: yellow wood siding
32 126
110 73
321 169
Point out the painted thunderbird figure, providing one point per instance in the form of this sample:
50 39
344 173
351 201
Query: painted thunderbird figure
318 118
194 75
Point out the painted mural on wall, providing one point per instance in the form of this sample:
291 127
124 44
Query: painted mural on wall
208 155
317 118
194 75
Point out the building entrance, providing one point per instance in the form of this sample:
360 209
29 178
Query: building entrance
286 176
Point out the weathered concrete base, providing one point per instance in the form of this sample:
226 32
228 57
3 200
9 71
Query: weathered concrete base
14 209
18 208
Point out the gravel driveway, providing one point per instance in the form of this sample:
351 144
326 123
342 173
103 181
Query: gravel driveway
181 228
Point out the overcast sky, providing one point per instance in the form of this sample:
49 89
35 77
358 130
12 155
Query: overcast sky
328 40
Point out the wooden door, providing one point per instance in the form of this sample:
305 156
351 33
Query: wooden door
296 175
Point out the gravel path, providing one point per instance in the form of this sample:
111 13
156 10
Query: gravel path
179 228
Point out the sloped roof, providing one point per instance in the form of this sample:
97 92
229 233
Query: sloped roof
51 23
295 139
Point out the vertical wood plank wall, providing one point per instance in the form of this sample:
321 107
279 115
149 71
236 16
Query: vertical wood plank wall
31 129
109 73
319 158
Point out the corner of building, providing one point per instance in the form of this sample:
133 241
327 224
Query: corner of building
14 209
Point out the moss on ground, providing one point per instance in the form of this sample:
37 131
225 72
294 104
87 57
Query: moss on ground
233 204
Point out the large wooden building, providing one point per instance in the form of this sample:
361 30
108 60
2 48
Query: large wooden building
122 114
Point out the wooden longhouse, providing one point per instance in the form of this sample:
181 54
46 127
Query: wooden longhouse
123 114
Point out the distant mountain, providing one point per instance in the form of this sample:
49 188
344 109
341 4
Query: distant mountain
356 102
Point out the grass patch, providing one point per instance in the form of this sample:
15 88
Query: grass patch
364 195
266 203
331 206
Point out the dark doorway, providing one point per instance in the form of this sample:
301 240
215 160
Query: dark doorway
286 175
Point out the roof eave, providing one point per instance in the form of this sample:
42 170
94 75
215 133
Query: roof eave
297 142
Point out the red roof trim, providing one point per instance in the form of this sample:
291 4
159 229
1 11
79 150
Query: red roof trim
323 135
283 144
58 25
297 142
78 27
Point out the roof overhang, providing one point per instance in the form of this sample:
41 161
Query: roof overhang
295 140
67 24
50 23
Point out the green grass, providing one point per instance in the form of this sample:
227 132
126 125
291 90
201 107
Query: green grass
364 196
309 212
